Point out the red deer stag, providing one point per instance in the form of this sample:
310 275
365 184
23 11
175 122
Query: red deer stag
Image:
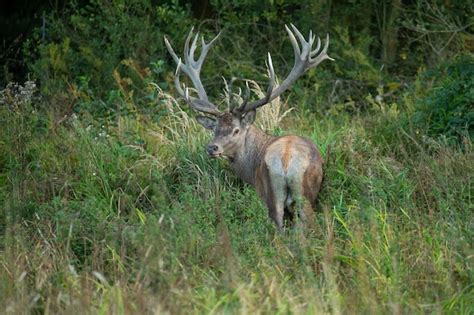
286 171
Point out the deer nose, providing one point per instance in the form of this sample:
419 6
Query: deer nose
212 148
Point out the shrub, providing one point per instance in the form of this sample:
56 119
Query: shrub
447 108
96 53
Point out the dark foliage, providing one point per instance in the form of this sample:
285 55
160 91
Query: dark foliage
448 107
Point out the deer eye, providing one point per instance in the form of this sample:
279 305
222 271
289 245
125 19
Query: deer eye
236 131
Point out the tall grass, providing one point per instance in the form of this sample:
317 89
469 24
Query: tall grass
133 218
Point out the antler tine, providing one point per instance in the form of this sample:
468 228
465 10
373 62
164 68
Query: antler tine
316 50
196 104
205 49
171 50
247 92
271 73
305 47
305 59
294 43
322 55
193 46
245 107
192 69
311 38
239 95
186 46
177 83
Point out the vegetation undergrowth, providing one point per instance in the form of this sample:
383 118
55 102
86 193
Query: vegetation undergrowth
133 217
109 204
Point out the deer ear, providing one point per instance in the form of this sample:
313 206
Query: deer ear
248 118
207 122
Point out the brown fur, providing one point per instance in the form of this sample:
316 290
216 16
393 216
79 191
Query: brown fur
286 155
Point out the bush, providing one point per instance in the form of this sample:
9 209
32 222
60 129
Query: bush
447 108
97 57
98 54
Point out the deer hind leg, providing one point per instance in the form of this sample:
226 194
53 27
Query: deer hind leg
300 206
276 206
271 189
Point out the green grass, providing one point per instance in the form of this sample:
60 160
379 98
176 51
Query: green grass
133 218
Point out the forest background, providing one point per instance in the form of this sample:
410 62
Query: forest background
109 204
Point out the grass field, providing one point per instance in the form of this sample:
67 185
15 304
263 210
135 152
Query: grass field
132 217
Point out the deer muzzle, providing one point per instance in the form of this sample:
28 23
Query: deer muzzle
213 150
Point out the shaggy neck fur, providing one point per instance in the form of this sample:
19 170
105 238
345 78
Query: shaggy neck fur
246 161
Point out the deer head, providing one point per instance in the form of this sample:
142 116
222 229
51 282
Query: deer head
230 127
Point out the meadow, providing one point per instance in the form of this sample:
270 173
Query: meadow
110 205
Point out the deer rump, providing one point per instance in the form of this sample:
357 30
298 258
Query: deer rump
288 179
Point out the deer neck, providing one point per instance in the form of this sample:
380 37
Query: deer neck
247 160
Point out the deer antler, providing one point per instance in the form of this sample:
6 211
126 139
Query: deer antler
192 68
305 58
233 98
